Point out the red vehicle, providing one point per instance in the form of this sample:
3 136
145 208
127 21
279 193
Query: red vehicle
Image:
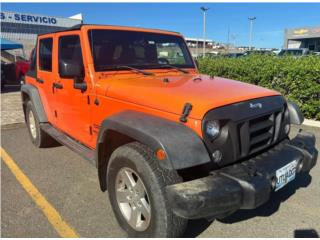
14 64
22 67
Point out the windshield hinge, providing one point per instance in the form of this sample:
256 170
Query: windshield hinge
185 113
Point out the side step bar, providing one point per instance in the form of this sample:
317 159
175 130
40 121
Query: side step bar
67 141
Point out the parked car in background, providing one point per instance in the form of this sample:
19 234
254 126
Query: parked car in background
22 67
208 55
233 55
261 52
294 52
14 64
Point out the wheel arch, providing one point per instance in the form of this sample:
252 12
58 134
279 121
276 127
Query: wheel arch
30 92
182 146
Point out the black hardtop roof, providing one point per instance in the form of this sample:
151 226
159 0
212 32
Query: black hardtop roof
79 26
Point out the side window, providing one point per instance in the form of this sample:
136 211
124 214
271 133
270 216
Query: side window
45 54
70 49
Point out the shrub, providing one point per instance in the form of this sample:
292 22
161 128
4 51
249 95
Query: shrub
298 79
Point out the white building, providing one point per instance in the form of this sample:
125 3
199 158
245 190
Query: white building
306 37
193 42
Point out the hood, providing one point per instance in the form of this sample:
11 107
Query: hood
170 93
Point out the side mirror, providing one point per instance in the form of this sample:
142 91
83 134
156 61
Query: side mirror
73 69
70 69
78 83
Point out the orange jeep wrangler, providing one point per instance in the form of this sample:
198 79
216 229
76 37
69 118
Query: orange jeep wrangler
169 143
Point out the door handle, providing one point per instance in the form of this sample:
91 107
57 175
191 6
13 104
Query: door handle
39 80
57 85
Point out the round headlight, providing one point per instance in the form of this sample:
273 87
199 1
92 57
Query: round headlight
213 129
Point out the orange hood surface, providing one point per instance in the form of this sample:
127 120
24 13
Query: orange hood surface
170 92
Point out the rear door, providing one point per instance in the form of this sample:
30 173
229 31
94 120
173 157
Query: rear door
72 105
45 55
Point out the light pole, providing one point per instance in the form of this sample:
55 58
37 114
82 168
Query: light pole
233 38
251 19
204 10
228 48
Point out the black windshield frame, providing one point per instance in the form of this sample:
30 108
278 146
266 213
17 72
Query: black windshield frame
124 36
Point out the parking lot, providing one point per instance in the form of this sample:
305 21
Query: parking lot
69 184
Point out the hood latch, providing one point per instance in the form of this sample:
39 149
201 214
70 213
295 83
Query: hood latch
185 113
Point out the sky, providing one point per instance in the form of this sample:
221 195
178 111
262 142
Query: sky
186 18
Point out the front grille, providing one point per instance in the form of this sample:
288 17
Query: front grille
246 131
258 133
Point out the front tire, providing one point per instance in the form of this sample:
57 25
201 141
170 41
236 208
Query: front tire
136 187
38 137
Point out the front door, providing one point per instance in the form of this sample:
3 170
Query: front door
72 105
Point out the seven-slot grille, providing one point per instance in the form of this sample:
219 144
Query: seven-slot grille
259 133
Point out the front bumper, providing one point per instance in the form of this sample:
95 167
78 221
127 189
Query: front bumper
245 185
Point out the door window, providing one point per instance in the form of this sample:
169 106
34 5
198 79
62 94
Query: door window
70 49
45 54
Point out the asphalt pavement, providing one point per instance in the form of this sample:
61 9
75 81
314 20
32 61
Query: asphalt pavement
70 185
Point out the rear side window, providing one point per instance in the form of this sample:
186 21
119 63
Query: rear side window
45 54
70 49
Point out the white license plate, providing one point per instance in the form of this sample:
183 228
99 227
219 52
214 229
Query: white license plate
285 174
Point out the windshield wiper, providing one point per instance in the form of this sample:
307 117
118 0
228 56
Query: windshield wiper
174 67
134 69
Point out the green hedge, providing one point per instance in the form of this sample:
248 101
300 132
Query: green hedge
296 78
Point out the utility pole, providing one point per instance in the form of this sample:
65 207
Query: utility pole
228 39
233 38
204 10
251 19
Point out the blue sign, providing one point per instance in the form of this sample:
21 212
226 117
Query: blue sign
27 18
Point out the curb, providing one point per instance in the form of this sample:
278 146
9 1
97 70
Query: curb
311 123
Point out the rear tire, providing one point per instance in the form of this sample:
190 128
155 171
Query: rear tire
38 137
139 161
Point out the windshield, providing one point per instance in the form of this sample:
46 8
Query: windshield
143 50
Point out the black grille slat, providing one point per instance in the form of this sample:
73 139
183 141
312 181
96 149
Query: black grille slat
260 138
244 138
259 146
261 125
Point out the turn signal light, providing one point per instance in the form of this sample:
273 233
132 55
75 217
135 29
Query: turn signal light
161 154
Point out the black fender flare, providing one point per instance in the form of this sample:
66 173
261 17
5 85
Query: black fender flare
295 114
35 98
183 147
